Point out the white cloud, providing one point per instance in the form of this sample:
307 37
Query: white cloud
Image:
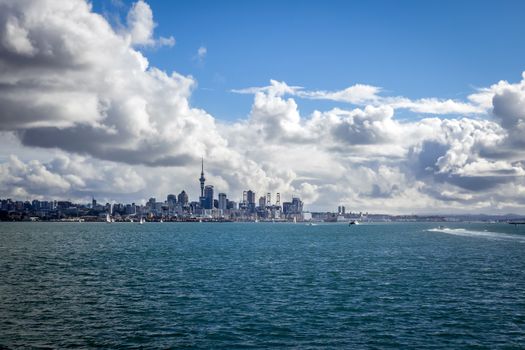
357 94
141 25
363 95
201 53
121 129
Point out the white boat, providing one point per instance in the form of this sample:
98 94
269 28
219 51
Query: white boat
294 220
354 222
130 220
141 221
108 219
161 221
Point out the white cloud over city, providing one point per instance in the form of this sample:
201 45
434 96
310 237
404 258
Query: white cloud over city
103 121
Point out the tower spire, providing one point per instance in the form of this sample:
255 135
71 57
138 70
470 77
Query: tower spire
202 179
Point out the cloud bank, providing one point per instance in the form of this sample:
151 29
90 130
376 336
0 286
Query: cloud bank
117 127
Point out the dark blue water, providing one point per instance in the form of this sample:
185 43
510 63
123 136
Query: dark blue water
261 285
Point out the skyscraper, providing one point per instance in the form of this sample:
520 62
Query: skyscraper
171 199
207 202
223 202
250 197
262 202
183 198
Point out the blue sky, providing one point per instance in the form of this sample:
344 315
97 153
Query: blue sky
410 48
430 99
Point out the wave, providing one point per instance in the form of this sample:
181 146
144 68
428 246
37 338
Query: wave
480 234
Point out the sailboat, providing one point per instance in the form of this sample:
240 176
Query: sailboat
141 221
294 220
161 221
108 219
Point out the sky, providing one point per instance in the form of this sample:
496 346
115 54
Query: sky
382 106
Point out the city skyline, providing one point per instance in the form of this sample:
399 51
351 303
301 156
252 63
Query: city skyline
379 107
176 207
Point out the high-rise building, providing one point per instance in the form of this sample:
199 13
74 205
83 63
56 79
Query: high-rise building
298 204
262 202
207 199
250 198
183 198
171 199
294 207
223 201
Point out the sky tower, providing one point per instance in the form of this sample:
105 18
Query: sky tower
202 179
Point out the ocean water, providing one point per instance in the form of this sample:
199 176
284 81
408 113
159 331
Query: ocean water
261 285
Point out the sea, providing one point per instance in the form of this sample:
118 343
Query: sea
262 285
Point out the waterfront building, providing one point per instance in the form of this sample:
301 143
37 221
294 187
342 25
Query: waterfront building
294 208
207 202
223 201
262 203
171 199
250 199
182 198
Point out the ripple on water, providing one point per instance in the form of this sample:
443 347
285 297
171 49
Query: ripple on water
242 285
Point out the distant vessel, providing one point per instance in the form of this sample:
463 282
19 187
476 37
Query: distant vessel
294 220
354 222
130 220
108 219
161 221
141 221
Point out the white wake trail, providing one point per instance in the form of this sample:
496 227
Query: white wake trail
481 234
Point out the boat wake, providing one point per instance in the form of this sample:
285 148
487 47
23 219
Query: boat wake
480 234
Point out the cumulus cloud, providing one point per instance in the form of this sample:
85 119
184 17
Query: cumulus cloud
66 177
141 25
124 129
83 88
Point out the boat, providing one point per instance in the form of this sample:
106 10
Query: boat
108 219
161 221
354 222
141 221
294 220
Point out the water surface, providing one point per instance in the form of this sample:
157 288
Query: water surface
255 285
